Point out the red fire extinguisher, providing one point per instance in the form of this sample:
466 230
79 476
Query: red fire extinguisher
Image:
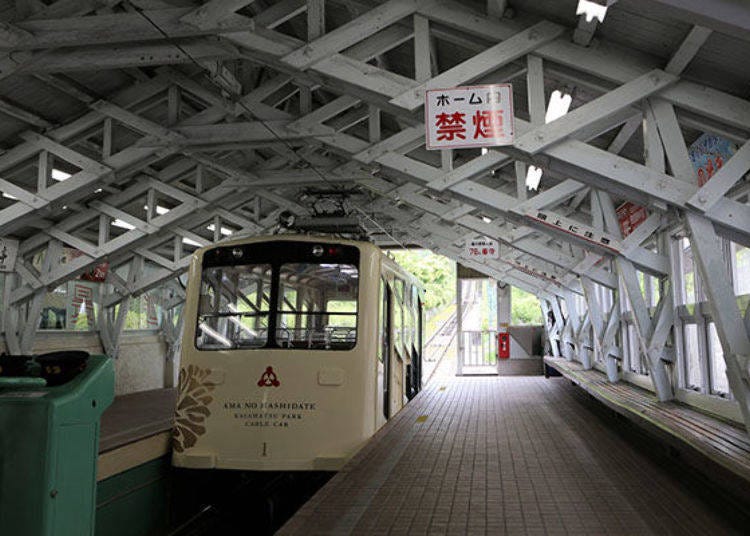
503 345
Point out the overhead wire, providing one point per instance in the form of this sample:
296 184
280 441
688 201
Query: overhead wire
310 164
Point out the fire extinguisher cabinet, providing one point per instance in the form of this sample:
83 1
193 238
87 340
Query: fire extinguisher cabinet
503 345
49 443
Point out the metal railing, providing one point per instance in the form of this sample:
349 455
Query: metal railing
479 348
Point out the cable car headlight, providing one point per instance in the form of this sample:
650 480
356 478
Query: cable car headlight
236 253
318 251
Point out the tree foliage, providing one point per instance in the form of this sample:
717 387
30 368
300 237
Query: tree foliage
436 272
525 308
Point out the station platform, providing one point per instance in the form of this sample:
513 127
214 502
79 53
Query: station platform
505 455
135 429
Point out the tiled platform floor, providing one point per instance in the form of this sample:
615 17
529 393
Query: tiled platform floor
503 455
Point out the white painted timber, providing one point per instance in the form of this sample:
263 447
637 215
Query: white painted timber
544 136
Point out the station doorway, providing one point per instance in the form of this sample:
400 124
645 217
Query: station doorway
481 313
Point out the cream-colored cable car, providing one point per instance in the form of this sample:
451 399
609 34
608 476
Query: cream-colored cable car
295 351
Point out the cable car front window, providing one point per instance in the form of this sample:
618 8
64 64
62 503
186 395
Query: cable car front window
234 307
317 306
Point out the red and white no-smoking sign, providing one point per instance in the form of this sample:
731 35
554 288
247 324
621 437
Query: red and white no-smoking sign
469 116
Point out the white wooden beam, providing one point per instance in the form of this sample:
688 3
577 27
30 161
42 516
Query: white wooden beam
624 96
687 50
351 33
483 63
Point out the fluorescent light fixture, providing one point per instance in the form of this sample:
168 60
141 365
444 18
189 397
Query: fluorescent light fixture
159 209
98 191
485 219
224 230
533 177
8 196
485 150
559 104
592 10
123 224
59 175
190 242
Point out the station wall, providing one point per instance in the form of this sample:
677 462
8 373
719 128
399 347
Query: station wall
139 367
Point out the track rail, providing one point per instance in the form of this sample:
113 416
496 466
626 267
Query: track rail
447 329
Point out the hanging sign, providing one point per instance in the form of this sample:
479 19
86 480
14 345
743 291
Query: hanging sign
469 116
482 248
630 216
8 254
576 229
152 315
80 304
708 154
97 274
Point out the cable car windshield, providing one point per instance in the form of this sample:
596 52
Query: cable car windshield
301 296
234 307
318 306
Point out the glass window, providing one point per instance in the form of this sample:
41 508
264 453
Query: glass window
55 310
634 361
694 370
407 317
383 322
741 269
416 325
688 272
398 315
719 382
233 309
317 306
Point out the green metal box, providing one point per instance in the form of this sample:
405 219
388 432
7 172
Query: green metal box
49 443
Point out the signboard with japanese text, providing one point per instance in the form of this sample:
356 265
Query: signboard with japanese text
80 305
8 254
482 248
708 154
575 228
152 315
469 116
630 216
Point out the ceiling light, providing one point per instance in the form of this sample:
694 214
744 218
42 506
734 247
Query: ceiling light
533 177
98 190
592 10
59 175
159 209
123 224
8 196
559 104
190 242
485 219
224 230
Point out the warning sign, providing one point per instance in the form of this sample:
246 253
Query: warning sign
469 116
630 216
483 248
